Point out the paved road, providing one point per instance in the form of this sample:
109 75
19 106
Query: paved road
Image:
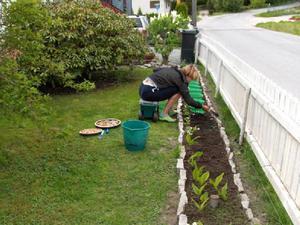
275 54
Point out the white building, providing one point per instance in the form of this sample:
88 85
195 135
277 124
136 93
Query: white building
151 6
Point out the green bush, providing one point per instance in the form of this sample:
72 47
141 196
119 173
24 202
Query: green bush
182 9
163 32
63 42
17 92
232 5
87 37
216 5
257 3
60 43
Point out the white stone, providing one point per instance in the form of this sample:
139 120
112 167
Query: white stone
232 165
245 201
238 182
230 157
181 189
249 214
226 141
179 165
181 182
182 202
182 152
182 220
182 175
222 133
228 150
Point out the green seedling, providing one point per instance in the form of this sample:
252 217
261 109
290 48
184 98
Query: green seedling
222 192
190 140
197 172
198 191
193 159
215 183
203 178
203 200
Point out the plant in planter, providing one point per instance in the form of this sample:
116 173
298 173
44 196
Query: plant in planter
223 191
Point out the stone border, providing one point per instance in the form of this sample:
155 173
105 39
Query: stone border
183 200
245 202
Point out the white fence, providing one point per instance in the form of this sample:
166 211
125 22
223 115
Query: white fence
269 116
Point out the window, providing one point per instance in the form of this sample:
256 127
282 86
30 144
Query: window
153 4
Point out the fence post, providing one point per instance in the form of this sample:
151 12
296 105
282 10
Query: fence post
218 78
207 59
196 50
245 113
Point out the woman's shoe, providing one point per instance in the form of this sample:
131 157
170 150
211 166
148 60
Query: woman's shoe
167 118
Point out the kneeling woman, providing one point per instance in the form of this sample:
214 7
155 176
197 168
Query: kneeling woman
171 84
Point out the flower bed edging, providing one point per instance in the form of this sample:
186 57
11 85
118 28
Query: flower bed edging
245 202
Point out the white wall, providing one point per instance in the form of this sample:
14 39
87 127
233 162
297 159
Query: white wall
145 6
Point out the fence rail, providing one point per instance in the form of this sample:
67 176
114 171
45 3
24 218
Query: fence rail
268 117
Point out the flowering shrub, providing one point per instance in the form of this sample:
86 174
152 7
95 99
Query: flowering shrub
164 32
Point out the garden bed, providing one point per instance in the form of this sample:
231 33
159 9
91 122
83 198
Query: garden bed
214 160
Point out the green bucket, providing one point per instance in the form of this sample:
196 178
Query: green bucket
135 133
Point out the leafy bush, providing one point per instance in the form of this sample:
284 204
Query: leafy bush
17 92
182 9
60 43
87 37
257 3
216 5
232 5
163 32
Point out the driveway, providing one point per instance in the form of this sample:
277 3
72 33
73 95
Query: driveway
274 54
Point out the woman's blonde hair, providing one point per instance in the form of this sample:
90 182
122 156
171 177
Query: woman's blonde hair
190 71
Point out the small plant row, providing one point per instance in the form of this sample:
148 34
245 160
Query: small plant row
201 179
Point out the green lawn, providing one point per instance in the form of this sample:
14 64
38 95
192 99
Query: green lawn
282 12
263 199
51 175
282 26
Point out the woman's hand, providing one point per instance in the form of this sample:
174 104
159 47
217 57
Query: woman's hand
209 109
206 107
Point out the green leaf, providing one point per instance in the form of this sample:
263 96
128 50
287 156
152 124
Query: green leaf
198 191
193 159
203 178
223 193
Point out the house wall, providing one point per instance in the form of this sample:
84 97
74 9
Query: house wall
145 6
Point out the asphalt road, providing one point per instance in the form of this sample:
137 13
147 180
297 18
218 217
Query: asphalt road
276 55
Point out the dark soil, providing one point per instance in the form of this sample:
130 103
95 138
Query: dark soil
215 160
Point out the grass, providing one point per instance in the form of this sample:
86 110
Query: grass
51 175
282 12
264 200
282 26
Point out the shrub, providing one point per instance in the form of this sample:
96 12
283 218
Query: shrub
17 92
232 5
163 32
216 5
257 3
139 13
63 42
182 9
87 37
